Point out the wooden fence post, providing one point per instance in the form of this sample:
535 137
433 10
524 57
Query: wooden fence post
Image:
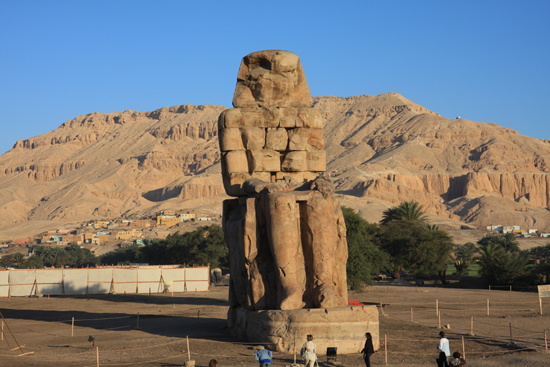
463 349
72 327
545 341
437 307
97 355
540 305
439 320
487 306
385 349
472 325
188 351
411 314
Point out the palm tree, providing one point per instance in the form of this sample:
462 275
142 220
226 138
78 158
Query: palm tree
390 215
410 211
18 258
509 243
432 227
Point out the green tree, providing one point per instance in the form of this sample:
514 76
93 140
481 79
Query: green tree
415 247
121 256
33 262
500 262
364 257
464 255
81 257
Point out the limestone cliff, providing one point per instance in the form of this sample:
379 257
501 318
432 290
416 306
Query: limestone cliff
385 147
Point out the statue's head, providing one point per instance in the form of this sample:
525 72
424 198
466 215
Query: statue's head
271 78
273 133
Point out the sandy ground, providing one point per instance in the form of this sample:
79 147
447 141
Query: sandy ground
43 326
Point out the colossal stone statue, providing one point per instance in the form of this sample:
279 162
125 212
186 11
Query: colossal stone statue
285 230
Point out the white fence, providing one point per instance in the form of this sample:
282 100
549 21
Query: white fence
102 280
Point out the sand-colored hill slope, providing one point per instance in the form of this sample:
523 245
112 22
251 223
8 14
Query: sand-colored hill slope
384 147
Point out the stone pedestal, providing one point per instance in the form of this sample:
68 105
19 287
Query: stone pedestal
340 327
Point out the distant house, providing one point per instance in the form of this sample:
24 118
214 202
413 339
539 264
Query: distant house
139 242
57 238
187 216
203 218
128 235
168 212
531 231
21 241
73 238
104 236
167 220
142 223
507 229
545 235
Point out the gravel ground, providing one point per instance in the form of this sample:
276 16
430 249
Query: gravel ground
43 326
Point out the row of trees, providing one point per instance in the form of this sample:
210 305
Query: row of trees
502 262
72 255
203 246
402 240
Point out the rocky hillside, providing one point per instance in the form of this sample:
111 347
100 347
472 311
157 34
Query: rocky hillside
384 147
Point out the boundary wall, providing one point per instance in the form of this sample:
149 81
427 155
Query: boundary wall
104 280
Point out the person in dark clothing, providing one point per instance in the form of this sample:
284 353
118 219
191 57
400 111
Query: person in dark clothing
368 350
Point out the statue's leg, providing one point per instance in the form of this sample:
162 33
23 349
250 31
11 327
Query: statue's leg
324 236
284 239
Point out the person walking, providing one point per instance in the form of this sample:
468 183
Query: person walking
368 350
444 351
308 352
213 363
263 356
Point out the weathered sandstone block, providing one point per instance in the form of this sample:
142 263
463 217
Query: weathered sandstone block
231 139
253 137
294 161
240 117
235 162
310 117
276 139
316 161
306 139
288 117
298 176
264 160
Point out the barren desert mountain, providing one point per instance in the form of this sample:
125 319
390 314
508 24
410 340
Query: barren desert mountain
381 147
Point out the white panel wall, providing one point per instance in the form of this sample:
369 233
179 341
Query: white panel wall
157 279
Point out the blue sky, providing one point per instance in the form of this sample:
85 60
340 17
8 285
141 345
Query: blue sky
486 61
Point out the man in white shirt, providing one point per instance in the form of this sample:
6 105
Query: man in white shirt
444 351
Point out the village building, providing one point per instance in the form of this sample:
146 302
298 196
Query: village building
128 234
187 216
167 220
142 223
